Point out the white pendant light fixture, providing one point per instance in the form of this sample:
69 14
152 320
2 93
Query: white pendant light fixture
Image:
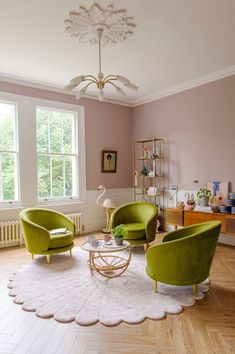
95 26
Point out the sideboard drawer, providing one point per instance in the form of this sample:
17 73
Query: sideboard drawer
175 217
195 217
230 225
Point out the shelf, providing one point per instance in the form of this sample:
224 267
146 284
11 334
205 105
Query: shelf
148 195
149 140
144 151
149 176
149 158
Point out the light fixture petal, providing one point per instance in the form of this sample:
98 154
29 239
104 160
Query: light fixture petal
70 87
131 86
77 80
101 95
122 79
119 90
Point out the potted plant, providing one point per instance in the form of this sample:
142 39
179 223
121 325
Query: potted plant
119 232
203 196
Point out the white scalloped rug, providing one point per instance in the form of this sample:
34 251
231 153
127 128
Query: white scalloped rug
66 290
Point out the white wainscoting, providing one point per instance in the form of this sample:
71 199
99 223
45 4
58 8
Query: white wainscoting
93 216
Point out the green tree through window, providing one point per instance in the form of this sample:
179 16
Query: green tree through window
8 153
57 155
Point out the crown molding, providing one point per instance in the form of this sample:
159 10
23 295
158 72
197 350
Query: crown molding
217 75
220 74
54 88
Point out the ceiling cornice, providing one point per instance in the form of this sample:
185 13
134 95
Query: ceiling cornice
220 74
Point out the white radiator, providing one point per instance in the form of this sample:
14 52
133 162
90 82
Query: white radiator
76 218
11 233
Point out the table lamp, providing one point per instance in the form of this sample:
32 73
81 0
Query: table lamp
195 181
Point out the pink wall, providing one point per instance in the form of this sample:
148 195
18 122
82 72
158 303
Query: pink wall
199 128
108 127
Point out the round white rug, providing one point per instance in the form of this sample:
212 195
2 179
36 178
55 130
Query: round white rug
66 290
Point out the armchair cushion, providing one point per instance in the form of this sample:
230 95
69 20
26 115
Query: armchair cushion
60 240
136 231
140 219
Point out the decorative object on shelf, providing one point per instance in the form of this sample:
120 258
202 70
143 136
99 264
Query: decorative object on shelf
119 232
109 206
225 209
151 173
190 203
203 196
146 151
154 156
152 191
144 171
230 202
96 25
231 195
109 161
136 174
213 204
149 161
180 205
215 208
220 190
175 194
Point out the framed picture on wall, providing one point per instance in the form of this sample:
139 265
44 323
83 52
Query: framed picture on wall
109 161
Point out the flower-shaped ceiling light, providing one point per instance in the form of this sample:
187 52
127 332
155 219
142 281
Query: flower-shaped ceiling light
93 26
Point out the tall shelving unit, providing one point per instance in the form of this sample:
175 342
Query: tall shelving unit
149 171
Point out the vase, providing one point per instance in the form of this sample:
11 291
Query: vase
118 240
204 201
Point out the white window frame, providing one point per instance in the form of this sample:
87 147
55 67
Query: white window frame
4 203
74 154
27 147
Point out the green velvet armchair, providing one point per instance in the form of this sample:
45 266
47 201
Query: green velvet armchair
37 225
185 255
140 220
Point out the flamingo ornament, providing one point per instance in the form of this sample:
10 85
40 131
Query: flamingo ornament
108 205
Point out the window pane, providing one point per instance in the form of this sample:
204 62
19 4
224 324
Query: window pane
67 132
55 132
42 131
7 169
44 184
7 126
68 177
56 143
57 177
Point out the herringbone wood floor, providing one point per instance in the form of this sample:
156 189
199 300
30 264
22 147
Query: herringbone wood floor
207 327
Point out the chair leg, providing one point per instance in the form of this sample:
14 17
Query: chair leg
48 258
70 253
155 286
146 246
32 255
195 290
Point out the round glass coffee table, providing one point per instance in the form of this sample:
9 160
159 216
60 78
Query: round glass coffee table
104 260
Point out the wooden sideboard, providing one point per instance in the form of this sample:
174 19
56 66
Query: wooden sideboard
180 217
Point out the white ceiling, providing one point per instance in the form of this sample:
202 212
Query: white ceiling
176 44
